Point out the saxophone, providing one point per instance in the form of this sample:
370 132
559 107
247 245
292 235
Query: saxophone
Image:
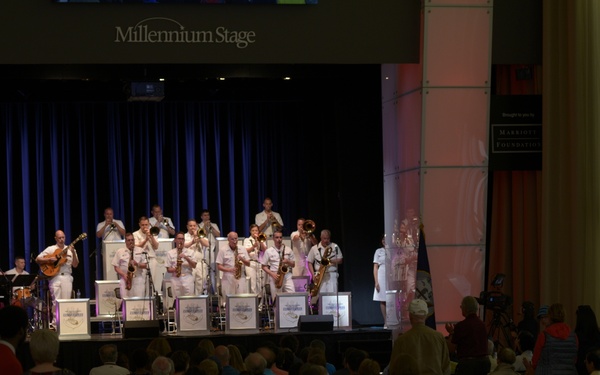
238 265
130 272
179 263
282 269
318 279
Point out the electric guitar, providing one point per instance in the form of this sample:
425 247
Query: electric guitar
51 269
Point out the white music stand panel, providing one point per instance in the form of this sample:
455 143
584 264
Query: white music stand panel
290 306
106 299
242 313
192 315
73 319
109 249
301 283
340 306
138 308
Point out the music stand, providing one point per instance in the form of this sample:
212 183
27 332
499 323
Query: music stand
22 280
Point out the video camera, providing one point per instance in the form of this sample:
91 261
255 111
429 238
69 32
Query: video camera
495 300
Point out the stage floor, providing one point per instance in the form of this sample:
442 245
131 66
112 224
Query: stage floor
81 355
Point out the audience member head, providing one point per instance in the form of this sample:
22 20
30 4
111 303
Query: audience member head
285 358
290 341
255 364
528 309
181 360
556 312
44 346
209 367
469 305
235 358
592 360
312 369
222 355
316 356
13 324
507 355
140 359
163 366
198 355
403 364
586 322
418 311
161 345
316 343
269 353
525 341
354 360
369 367
491 347
208 345
108 353
543 316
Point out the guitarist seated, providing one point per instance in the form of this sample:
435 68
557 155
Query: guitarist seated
57 262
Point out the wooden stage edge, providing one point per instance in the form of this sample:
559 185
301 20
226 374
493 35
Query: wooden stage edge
81 355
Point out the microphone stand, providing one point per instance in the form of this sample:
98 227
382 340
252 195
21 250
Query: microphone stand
151 290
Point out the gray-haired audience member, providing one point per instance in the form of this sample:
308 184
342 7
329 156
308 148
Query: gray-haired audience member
255 364
109 355
163 366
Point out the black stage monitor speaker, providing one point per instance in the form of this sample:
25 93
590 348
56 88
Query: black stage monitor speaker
141 328
315 323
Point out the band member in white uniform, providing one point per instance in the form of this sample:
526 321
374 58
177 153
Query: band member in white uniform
229 260
110 229
149 243
210 252
276 256
255 249
301 245
121 262
198 244
180 264
163 223
267 220
60 285
329 284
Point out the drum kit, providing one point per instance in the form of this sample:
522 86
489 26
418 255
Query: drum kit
30 292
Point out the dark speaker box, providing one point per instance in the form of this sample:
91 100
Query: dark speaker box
315 323
141 328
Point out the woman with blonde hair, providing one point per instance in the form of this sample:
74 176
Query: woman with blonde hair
236 361
44 347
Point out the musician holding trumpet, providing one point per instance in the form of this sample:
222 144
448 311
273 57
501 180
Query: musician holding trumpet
163 223
130 264
277 263
268 221
110 229
180 264
255 245
303 239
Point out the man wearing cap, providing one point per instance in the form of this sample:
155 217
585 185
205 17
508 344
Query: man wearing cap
469 336
426 345
543 317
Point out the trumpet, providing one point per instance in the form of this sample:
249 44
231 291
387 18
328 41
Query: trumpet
154 231
309 227
275 224
201 233
261 237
